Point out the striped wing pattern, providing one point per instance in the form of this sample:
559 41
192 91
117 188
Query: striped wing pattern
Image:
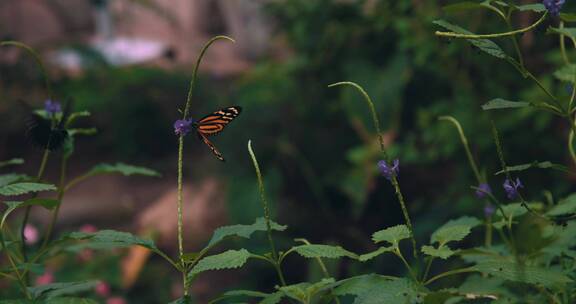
214 123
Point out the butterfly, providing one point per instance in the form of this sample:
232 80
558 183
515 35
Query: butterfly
213 124
47 131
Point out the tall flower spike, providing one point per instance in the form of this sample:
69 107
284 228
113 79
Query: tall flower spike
388 170
182 126
511 187
52 107
553 6
483 190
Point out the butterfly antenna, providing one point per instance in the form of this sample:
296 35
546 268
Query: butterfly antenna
66 113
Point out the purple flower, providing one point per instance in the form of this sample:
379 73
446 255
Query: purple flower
483 190
52 107
182 126
511 188
388 171
489 210
553 6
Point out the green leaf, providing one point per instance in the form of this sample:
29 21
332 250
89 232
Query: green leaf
11 162
43 202
485 45
24 188
569 32
512 271
304 291
54 290
225 260
392 235
375 289
112 239
183 300
323 251
244 231
568 17
499 103
442 252
368 256
564 207
533 7
454 230
34 268
535 164
121 168
566 73
59 300
83 131
6 179
77 115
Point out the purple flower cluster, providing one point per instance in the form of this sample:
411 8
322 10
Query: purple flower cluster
553 6
389 170
511 187
182 126
52 107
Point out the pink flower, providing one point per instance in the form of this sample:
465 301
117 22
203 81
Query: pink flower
116 300
102 289
30 234
46 278
88 228
86 255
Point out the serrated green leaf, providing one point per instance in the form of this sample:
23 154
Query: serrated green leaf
6 179
112 239
512 271
244 231
567 73
225 260
487 46
563 239
323 251
368 256
499 103
533 7
273 298
54 290
564 207
442 252
392 235
24 188
454 230
536 164
121 168
375 289
11 162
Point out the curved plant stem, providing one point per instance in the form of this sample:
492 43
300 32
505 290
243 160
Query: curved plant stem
464 141
495 35
563 44
61 191
266 213
394 179
449 273
180 161
38 60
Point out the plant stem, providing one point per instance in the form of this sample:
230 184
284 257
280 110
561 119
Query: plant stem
394 179
496 35
61 191
449 273
464 141
563 44
180 161
266 208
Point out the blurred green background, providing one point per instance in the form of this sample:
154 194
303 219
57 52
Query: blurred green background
316 145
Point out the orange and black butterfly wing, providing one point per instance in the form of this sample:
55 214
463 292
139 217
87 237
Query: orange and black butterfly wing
214 123
212 147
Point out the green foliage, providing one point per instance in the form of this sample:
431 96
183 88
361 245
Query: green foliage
392 235
225 260
24 188
515 271
454 230
11 162
485 45
13 205
112 239
499 103
54 290
121 168
323 251
374 289
244 231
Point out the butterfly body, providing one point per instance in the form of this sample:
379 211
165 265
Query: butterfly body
213 124
47 132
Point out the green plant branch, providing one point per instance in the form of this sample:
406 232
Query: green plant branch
398 253
563 45
38 60
464 141
61 188
394 179
266 213
495 35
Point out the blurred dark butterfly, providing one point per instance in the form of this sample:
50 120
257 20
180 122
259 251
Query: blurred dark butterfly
213 124
47 131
